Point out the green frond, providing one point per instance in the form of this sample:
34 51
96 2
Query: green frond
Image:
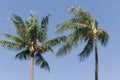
74 10
46 48
74 38
56 41
80 19
42 30
31 32
64 50
13 37
103 36
39 60
37 30
19 24
41 34
87 49
79 24
80 14
45 21
23 55
68 25
11 45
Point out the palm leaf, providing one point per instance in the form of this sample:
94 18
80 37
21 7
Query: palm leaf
74 38
103 36
19 24
41 61
32 27
45 48
42 29
64 50
68 25
56 41
80 14
87 49
71 25
11 45
23 55
13 37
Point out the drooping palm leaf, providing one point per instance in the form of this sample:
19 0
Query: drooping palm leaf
87 49
64 50
23 55
74 38
39 60
103 36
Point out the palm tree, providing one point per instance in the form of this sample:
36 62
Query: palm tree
31 40
83 28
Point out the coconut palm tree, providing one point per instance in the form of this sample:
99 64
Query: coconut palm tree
31 40
82 28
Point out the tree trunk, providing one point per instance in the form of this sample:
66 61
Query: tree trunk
96 55
31 66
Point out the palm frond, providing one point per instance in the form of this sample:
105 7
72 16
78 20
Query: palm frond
42 28
64 50
75 10
39 60
23 55
31 27
103 36
11 45
44 48
56 41
87 49
74 38
81 19
68 25
80 14
45 21
13 37
19 24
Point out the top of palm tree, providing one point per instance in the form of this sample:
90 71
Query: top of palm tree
82 28
31 36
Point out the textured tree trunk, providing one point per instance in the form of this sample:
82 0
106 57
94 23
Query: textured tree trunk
96 55
31 66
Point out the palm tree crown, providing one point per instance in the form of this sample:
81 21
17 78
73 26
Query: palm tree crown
82 28
31 39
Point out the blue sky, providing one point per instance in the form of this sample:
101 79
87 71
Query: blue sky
106 12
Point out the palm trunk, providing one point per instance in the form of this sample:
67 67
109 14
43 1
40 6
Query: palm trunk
96 55
31 66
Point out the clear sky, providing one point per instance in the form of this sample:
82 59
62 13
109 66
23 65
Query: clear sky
106 12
